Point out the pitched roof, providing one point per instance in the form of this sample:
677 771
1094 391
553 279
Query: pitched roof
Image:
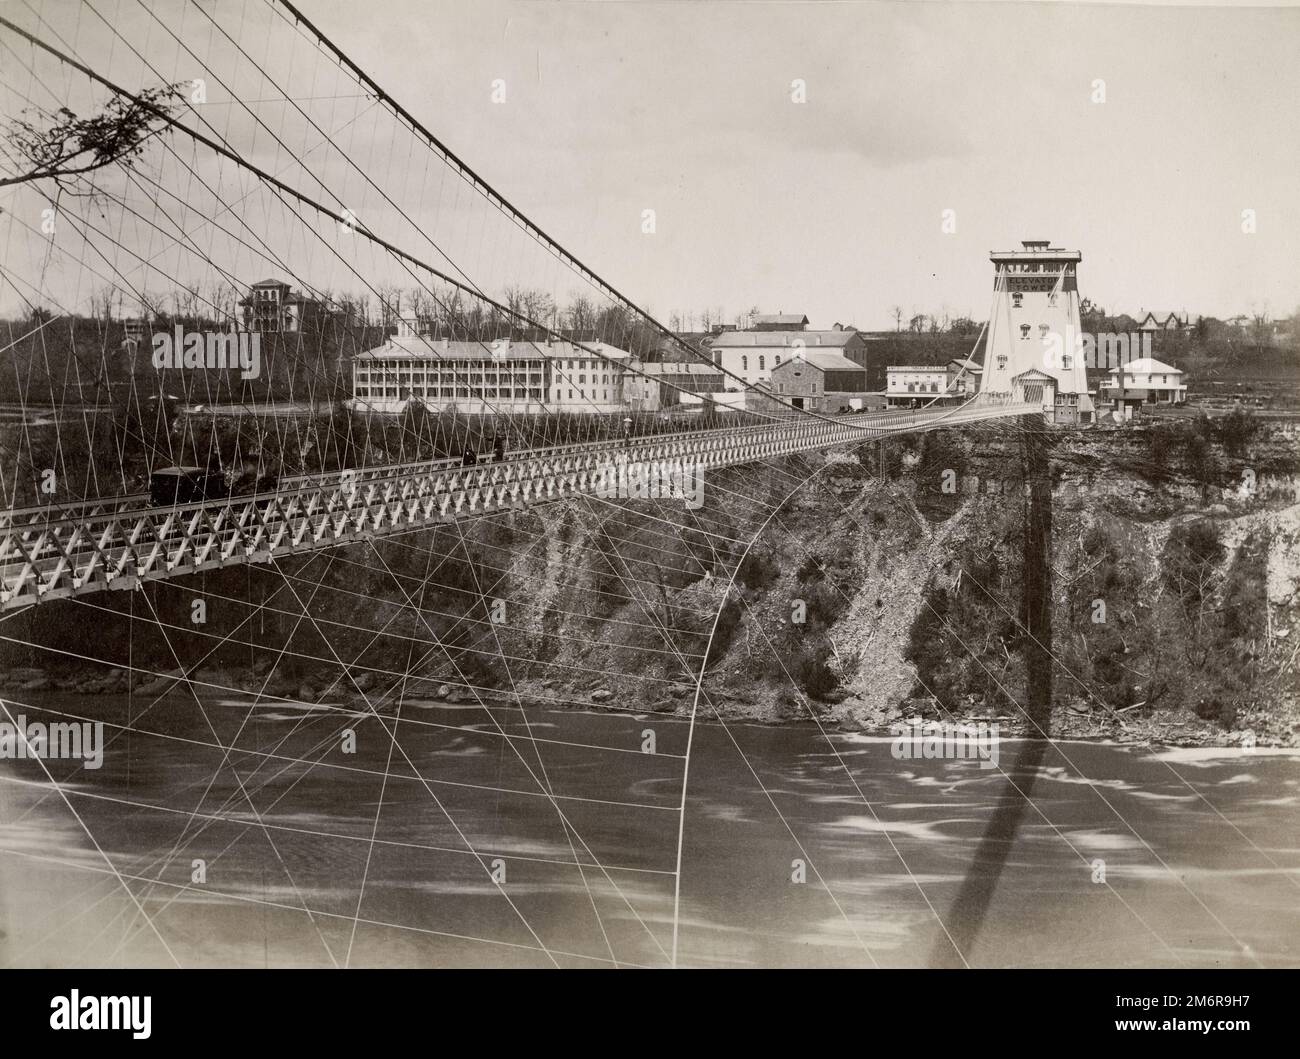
779 318
823 362
1147 365
1033 375
423 347
808 339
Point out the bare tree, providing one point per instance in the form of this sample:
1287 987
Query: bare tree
582 313
151 304
61 146
1260 327
104 300
224 297
896 311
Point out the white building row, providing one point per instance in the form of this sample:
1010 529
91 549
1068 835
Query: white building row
500 376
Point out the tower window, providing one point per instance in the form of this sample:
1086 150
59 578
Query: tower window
1051 300
1042 330
1015 300
1002 360
1024 332
1066 360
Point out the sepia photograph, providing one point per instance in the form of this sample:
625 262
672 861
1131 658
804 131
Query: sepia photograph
713 485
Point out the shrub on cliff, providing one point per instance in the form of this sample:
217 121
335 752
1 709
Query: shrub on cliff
757 570
1245 591
1236 431
810 668
1190 562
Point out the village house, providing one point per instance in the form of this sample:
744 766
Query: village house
1159 320
754 355
819 381
1145 381
778 322
272 306
907 385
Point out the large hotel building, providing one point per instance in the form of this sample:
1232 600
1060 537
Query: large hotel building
484 377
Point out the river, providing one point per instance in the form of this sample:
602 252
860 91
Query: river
216 834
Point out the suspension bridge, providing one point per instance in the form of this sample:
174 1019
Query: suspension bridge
244 142
66 548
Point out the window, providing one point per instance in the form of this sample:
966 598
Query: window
1015 300
777 362
1002 360
1042 330
1051 300
744 363
762 362
1024 332
1066 360
911 387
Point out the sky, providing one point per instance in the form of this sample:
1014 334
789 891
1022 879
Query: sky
837 159
835 206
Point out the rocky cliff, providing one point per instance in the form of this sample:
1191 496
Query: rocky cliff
857 587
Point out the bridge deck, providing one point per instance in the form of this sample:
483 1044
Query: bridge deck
117 542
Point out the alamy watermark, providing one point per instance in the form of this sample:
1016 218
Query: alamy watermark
62 740
77 1012
1099 349
623 479
938 740
213 350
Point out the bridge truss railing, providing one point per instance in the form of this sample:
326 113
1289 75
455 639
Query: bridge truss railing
118 543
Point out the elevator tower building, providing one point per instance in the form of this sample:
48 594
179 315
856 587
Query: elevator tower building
1035 339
